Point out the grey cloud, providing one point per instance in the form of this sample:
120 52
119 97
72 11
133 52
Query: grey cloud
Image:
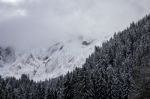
49 20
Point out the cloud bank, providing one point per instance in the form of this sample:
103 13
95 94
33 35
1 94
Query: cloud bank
26 23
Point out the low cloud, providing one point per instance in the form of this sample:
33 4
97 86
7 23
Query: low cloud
26 23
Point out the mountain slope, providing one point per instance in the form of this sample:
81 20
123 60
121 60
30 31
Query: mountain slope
119 69
41 64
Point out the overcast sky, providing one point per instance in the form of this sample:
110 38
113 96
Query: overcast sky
26 23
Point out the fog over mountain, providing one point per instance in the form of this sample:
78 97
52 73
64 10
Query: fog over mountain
74 49
37 23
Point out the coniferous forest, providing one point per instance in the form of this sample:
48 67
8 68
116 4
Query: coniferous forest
119 69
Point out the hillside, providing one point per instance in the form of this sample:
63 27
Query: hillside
46 63
117 70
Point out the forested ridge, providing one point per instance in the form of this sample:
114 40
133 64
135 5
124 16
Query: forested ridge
119 69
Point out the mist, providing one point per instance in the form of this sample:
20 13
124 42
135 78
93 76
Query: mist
38 23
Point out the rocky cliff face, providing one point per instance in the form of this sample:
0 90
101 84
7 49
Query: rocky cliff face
7 55
41 64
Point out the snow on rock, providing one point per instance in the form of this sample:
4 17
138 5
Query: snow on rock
41 64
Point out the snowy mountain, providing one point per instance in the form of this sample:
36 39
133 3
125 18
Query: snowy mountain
51 62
